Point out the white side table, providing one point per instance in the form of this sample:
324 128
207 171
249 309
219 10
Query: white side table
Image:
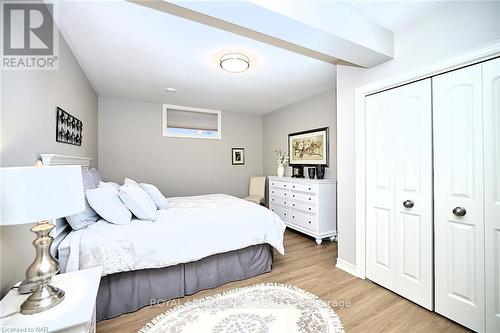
76 313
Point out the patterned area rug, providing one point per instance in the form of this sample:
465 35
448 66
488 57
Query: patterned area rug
257 308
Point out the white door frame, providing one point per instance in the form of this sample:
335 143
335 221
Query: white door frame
483 53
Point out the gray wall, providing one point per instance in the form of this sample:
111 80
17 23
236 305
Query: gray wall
453 28
131 145
28 127
313 112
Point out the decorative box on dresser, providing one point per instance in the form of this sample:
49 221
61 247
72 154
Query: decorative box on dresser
75 314
306 205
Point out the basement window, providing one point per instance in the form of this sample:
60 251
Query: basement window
187 122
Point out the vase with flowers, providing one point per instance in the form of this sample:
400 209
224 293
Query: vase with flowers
281 160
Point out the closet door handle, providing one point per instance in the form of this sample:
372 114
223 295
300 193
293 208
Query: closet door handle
408 204
459 211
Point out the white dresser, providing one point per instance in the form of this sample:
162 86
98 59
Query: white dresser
306 205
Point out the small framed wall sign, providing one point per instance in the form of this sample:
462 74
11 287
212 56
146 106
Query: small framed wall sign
68 128
238 156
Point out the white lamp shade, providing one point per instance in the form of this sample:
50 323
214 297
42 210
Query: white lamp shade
31 194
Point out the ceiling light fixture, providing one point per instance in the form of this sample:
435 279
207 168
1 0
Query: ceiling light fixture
234 62
171 90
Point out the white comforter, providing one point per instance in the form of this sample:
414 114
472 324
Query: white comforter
193 228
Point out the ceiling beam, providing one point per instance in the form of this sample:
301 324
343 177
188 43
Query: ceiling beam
267 26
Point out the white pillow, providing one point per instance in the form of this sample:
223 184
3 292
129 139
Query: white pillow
112 186
108 205
138 202
130 182
155 194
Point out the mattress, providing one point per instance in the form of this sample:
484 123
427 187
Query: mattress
193 228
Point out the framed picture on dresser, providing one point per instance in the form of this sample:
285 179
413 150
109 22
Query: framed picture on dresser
309 147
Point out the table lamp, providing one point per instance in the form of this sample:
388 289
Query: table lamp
41 194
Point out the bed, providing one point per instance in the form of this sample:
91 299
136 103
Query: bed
200 242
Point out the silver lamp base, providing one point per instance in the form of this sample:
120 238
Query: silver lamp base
44 298
40 273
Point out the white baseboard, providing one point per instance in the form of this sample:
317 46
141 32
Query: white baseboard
346 267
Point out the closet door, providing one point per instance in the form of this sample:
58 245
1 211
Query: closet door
491 109
413 193
458 196
380 126
399 191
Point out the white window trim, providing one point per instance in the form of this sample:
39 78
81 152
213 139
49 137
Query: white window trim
187 108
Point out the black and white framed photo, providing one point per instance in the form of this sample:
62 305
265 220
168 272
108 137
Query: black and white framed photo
308 147
68 128
238 156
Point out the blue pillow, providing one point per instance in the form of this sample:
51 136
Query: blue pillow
95 176
88 215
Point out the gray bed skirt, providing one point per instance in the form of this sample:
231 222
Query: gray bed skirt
129 291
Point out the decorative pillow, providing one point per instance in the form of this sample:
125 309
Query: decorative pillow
107 204
88 215
130 182
88 180
95 176
112 186
138 202
155 194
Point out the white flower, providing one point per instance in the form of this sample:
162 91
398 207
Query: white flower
281 159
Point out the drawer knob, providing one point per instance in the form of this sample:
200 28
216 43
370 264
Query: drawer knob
293 205
272 199
459 211
293 186
309 188
309 222
284 214
309 208
309 198
293 195
285 194
293 216
285 202
272 191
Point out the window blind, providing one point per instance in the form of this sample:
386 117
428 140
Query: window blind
191 120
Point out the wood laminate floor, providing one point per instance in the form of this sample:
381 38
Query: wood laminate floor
362 305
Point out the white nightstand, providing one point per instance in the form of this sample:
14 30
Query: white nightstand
76 313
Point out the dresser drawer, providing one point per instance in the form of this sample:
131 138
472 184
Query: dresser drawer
282 212
303 219
303 197
277 192
278 184
304 206
279 200
308 188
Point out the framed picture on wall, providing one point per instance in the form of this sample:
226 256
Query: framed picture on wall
238 156
68 128
309 147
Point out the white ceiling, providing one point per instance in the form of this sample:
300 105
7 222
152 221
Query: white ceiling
132 52
393 15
